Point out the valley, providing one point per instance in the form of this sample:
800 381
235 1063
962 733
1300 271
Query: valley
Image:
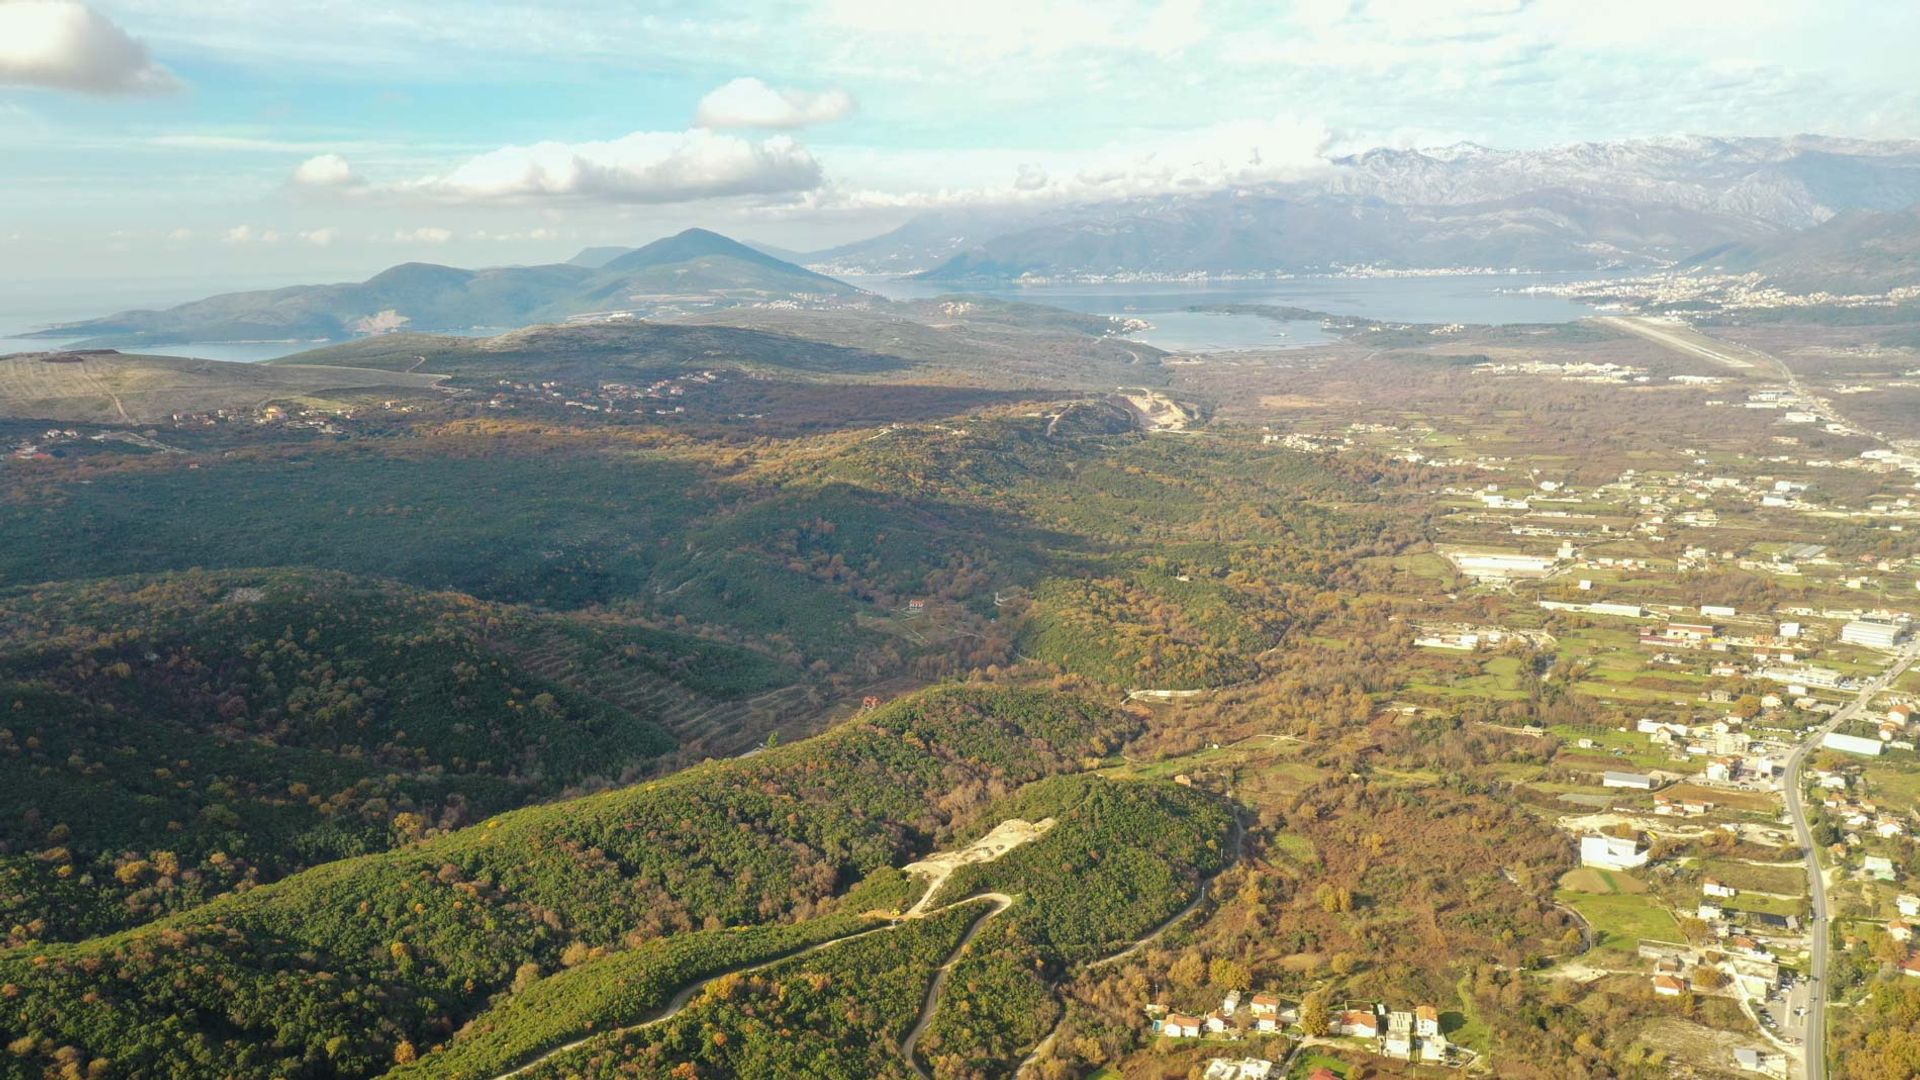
958 687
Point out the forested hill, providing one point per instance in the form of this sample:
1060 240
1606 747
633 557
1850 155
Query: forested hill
330 971
168 738
695 266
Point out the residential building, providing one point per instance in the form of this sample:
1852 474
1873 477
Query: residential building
1181 1026
1426 1021
1361 1023
1265 1005
1714 888
1668 986
1242 1069
1908 904
1398 1042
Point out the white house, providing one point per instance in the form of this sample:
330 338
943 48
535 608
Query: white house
1180 1026
1908 904
1611 853
1243 1069
1714 888
1426 1021
1398 1042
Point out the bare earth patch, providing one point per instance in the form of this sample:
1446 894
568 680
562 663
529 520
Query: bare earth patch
1006 836
1291 401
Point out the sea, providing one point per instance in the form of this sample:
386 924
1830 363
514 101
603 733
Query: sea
1436 298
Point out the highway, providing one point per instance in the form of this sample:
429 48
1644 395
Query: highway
1816 1019
1690 341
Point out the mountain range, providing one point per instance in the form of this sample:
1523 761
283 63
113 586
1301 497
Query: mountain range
693 269
1577 207
1860 251
1810 212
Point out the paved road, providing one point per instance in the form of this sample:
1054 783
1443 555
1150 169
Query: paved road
681 999
1681 339
1001 901
1691 341
1816 1048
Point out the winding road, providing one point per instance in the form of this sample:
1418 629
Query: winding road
1001 902
685 995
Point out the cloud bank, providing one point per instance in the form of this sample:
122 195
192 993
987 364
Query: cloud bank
748 102
325 171
645 167
65 45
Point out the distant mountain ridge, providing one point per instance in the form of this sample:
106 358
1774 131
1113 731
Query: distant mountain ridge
1860 251
694 268
1581 206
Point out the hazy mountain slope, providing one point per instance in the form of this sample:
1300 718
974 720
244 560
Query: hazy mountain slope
1240 233
695 265
109 387
1859 251
1634 202
1788 183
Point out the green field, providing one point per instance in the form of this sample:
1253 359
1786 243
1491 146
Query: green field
1620 919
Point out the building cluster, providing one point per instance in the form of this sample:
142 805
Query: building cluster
662 397
1403 1035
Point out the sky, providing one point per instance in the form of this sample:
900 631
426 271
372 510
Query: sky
262 141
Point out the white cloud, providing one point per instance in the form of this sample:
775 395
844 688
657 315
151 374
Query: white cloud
426 234
321 237
247 234
65 45
644 167
748 102
325 171
180 235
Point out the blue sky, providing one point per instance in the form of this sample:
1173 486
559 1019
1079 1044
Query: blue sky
229 140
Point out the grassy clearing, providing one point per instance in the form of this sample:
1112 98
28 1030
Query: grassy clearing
1591 879
1304 1065
1895 781
1620 921
1785 880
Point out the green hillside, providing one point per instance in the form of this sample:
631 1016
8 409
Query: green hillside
169 738
334 969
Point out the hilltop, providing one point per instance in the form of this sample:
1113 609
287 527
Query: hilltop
1862 251
695 267
103 386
